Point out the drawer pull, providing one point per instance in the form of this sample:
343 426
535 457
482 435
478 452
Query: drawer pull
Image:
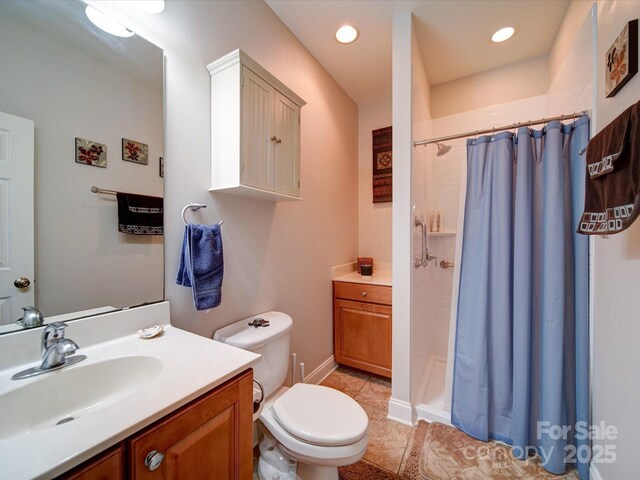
153 460
364 294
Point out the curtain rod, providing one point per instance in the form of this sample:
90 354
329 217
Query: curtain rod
500 129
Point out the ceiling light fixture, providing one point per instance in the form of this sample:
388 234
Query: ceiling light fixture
503 34
106 23
347 34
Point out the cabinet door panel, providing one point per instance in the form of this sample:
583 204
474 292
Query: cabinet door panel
105 466
287 152
209 438
257 127
362 336
206 453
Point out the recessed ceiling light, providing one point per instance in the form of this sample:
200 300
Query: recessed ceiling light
106 23
347 34
503 34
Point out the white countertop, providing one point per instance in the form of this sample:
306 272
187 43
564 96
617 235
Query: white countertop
378 278
191 366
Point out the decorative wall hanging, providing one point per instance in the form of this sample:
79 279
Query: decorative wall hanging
621 62
382 165
91 153
135 152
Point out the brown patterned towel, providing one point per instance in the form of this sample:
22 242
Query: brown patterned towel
612 196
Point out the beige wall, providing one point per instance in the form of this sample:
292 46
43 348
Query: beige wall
517 81
570 28
616 324
277 255
374 219
403 40
420 299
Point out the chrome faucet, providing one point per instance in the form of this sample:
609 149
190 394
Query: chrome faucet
55 347
31 318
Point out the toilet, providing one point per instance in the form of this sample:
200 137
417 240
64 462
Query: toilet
318 427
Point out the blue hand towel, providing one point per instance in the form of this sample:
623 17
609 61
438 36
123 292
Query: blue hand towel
201 264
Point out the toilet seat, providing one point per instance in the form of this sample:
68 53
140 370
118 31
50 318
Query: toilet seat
320 415
323 455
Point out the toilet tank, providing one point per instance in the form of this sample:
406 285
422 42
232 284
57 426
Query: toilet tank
272 342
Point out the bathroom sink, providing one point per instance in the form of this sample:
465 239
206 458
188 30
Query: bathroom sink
63 395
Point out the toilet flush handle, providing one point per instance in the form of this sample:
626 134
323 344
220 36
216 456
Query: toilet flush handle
256 403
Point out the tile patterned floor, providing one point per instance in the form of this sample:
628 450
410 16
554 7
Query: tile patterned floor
387 440
390 443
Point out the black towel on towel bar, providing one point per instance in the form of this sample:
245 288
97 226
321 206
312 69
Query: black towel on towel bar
140 214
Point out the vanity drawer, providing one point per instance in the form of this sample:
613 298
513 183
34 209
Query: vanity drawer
362 293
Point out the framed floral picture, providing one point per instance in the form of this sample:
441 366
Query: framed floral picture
91 153
621 62
135 152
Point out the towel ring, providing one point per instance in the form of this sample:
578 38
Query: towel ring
193 207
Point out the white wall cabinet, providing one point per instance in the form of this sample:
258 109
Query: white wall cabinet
255 131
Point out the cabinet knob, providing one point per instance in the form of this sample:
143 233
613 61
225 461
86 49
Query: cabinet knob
364 294
153 460
274 138
279 140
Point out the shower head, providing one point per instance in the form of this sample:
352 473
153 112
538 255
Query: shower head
442 149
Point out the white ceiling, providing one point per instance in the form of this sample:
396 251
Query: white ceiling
66 23
454 36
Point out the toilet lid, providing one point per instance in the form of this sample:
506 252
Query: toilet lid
320 415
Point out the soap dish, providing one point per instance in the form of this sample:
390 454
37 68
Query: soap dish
151 331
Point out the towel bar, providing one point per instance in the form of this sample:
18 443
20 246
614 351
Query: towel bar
95 189
193 207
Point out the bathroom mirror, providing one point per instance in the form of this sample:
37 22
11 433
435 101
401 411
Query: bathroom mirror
93 98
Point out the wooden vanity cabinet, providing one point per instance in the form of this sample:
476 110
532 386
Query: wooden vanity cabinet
209 438
362 326
108 465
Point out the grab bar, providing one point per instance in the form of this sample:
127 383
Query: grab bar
420 223
425 256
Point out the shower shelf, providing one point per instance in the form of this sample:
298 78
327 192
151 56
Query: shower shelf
441 234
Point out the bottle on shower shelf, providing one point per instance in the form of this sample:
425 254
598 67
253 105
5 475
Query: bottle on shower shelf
440 220
437 220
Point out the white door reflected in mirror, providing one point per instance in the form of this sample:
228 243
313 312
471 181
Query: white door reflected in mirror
16 217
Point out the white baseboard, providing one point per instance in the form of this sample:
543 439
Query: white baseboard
594 474
400 411
424 412
323 371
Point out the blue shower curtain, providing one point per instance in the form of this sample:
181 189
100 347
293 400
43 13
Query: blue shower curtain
521 369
